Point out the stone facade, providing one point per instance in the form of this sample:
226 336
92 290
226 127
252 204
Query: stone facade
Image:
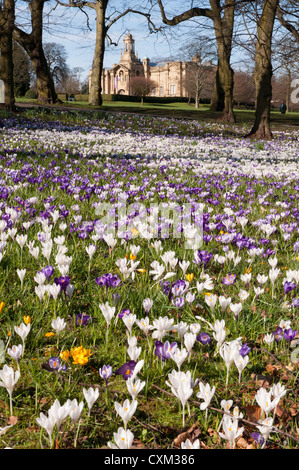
170 77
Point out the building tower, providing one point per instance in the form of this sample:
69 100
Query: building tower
146 67
129 48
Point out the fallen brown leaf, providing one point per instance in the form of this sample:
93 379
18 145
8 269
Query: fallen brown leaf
192 434
253 412
242 443
12 420
294 409
262 380
279 411
181 438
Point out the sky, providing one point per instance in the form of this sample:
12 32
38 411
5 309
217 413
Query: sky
79 41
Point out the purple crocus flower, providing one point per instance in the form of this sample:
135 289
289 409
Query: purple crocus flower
126 370
163 351
203 338
125 311
178 302
105 372
108 280
158 349
194 382
229 279
289 334
278 334
55 364
296 246
289 286
62 281
258 438
165 285
295 303
179 287
48 271
245 349
82 319
202 257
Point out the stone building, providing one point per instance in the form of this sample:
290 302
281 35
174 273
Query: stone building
171 77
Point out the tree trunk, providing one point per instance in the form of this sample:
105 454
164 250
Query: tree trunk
222 99
95 93
33 45
6 70
263 71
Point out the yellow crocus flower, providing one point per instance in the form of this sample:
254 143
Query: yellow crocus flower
190 277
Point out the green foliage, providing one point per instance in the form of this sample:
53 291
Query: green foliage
31 94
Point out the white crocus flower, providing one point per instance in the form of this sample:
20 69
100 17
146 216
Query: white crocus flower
246 277
240 363
181 328
108 312
90 250
206 394
48 423
180 384
75 410
91 395
144 325
23 330
40 291
21 240
265 427
129 321
21 273
15 352
53 290
264 400
58 412
161 326
219 332
269 338
134 387
227 352
211 300
157 270
126 410
230 430
189 341
236 308
184 265
187 444
147 304
179 356
243 294
58 324
224 302
123 439
40 278
134 352
9 378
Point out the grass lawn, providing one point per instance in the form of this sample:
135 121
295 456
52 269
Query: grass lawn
178 110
